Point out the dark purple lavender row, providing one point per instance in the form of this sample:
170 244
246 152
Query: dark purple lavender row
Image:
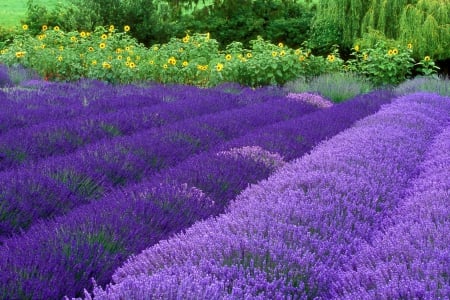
130 220
98 168
25 107
409 258
54 101
288 236
32 143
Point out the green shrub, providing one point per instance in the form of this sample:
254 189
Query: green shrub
274 20
384 64
65 15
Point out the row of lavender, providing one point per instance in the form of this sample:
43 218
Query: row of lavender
58 184
61 136
363 216
32 104
59 257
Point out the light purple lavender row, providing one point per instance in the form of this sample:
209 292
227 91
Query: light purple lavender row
288 237
409 258
25 145
132 219
311 98
59 184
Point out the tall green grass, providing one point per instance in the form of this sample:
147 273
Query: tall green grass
336 87
439 85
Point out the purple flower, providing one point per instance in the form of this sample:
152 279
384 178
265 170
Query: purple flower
298 229
313 99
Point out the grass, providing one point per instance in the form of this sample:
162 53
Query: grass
336 87
11 12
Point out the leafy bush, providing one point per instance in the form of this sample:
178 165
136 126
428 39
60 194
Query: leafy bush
64 15
276 21
384 64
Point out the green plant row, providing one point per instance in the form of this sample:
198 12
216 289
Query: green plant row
111 54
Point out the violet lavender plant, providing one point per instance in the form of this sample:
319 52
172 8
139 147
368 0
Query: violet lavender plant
128 216
32 143
289 236
98 168
409 257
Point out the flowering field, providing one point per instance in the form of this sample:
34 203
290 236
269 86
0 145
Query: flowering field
92 174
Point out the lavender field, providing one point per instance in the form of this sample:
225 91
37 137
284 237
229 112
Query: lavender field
177 192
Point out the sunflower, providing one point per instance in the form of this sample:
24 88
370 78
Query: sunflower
151 62
41 37
91 49
249 55
282 53
185 63
365 56
111 28
331 58
73 39
165 66
427 58
132 65
126 28
390 53
228 57
219 67
94 62
25 27
281 45
60 58
410 46
186 39
44 27
104 36
356 48
119 57
395 51
56 28
102 45
106 65
172 61
83 34
301 58
61 48
118 50
274 53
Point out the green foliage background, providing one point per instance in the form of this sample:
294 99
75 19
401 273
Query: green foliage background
423 23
